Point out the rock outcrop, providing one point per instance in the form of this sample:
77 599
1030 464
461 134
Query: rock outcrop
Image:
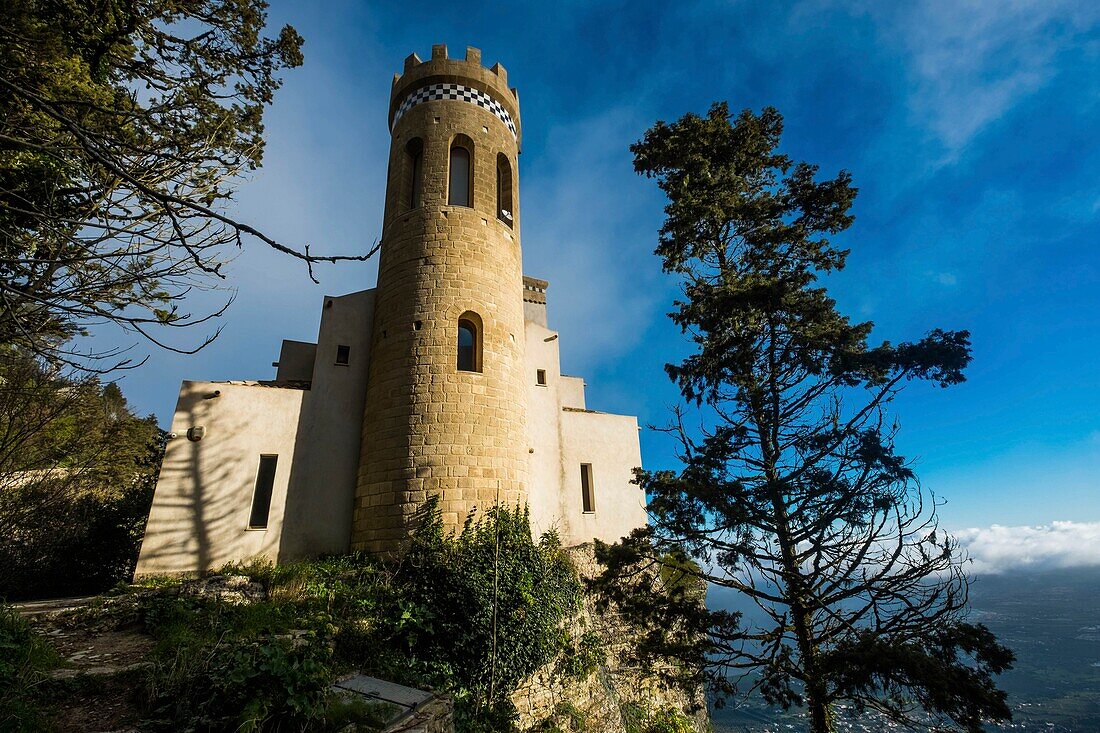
598 689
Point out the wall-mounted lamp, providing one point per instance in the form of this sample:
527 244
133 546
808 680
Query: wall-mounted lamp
196 433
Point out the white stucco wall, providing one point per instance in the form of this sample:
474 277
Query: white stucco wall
534 312
296 361
199 518
571 390
544 429
563 435
610 444
322 485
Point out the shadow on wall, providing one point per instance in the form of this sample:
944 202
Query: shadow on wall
320 497
182 520
200 514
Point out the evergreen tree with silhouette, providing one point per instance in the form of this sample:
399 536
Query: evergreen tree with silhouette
791 491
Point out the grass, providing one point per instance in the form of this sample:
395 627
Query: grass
268 663
26 659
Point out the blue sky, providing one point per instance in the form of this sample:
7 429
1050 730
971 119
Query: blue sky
969 128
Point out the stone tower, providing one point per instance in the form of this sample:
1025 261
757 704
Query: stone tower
446 402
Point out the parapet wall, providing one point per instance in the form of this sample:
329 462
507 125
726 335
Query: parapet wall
468 73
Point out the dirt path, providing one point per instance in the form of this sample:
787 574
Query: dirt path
104 662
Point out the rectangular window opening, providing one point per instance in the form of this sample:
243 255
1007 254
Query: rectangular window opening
588 498
540 377
261 499
343 354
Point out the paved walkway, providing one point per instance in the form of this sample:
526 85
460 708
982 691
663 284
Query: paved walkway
52 605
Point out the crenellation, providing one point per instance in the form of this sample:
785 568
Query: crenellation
425 428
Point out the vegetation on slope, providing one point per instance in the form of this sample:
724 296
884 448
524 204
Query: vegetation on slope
425 619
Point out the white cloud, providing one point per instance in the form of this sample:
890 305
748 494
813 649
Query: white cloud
971 61
947 278
997 549
590 226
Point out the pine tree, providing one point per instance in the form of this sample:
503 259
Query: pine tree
791 492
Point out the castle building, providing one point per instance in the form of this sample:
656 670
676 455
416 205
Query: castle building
442 380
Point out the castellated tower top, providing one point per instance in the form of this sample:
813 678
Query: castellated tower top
465 79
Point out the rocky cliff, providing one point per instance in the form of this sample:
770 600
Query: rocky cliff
597 686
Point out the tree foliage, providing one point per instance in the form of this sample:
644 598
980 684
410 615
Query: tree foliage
124 125
77 472
791 491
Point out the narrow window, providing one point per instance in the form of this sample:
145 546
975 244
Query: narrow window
505 211
467 346
261 499
588 499
343 354
458 191
540 377
415 154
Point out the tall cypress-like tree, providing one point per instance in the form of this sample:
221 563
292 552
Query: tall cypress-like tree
791 492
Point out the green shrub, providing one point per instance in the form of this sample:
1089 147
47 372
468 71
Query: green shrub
25 660
486 606
565 717
268 679
583 656
639 718
669 720
221 667
254 685
425 619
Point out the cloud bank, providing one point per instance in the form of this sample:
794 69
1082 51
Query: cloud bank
998 549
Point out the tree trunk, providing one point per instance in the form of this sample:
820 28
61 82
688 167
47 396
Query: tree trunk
820 720
796 594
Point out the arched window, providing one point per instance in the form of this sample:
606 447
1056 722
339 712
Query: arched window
414 153
505 212
469 343
461 180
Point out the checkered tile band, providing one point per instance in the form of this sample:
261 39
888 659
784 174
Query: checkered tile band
458 93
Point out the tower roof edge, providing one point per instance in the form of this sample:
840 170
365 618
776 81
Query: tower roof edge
468 71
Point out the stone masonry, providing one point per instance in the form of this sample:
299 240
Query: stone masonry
616 696
430 428
387 409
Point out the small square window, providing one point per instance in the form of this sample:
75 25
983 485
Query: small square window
343 354
540 377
